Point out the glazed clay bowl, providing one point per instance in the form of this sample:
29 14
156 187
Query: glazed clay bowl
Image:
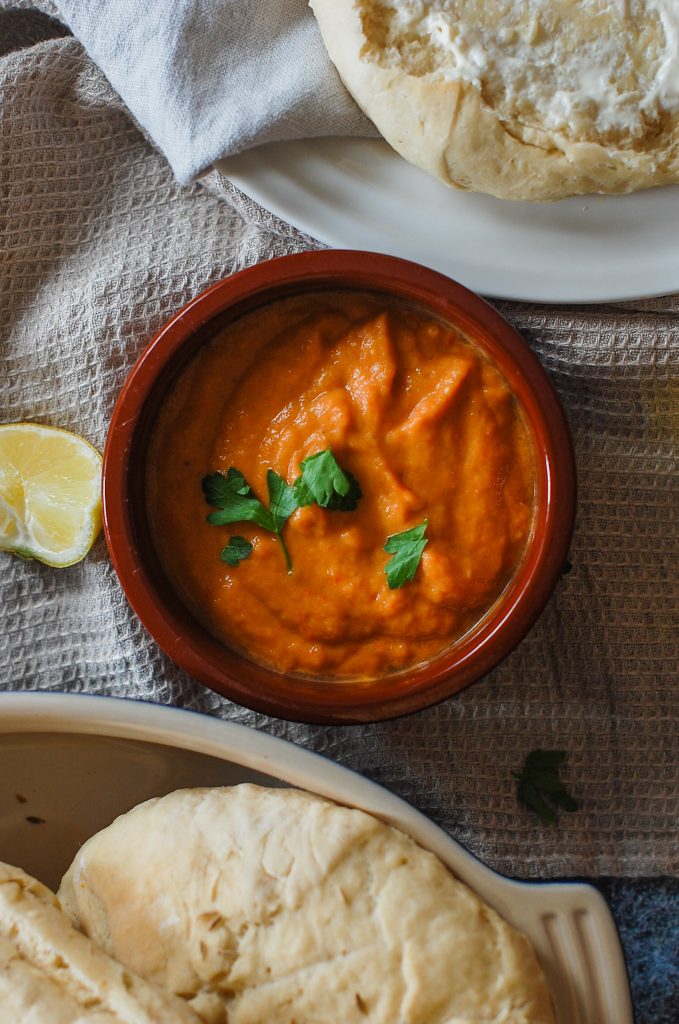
302 698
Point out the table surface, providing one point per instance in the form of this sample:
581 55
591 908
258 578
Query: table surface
646 911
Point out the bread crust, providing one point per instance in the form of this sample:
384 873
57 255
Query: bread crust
277 905
52 974
445 127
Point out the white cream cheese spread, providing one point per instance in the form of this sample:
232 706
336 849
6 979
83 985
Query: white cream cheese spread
588 66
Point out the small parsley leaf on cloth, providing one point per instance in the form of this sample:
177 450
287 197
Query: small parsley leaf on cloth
236 551
407 548
324 482
539 786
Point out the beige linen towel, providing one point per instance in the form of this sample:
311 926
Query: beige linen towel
99 246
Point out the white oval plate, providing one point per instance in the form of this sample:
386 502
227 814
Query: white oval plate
75 762
360 194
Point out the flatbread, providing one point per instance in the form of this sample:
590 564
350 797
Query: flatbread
51 974
522 99
274 905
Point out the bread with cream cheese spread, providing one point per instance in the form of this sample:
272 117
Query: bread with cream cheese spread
521 99
276 905
52 974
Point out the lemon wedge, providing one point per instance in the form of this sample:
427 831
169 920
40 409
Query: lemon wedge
50 493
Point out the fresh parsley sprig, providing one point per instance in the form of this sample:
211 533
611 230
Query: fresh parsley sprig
539 786
232 496
322 481
406 548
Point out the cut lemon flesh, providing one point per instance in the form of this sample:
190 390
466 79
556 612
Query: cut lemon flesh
50 493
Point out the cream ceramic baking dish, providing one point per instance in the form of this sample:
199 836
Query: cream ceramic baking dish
70 763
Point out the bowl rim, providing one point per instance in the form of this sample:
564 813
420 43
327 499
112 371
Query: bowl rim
175 628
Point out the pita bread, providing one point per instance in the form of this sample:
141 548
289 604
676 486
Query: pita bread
522 99
276 905
51 974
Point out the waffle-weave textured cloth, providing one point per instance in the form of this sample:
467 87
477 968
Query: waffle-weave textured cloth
99 246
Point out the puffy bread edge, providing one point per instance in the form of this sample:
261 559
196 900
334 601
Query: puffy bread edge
446 129
33 923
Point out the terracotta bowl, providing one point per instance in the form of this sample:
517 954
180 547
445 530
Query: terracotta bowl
176 629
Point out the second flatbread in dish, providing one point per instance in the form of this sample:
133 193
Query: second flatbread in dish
524 99
277 906
51 974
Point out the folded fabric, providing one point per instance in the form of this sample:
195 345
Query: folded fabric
210 78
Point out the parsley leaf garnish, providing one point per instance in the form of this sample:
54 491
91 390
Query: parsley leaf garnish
324 482
539 786
407 548
282 504
237 550
282 500
232 496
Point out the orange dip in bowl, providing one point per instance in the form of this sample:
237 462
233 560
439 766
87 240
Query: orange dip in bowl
420 417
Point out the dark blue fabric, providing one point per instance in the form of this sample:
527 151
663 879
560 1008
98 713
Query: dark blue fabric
646 911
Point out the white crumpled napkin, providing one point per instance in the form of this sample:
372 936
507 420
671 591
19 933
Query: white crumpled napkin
210 78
